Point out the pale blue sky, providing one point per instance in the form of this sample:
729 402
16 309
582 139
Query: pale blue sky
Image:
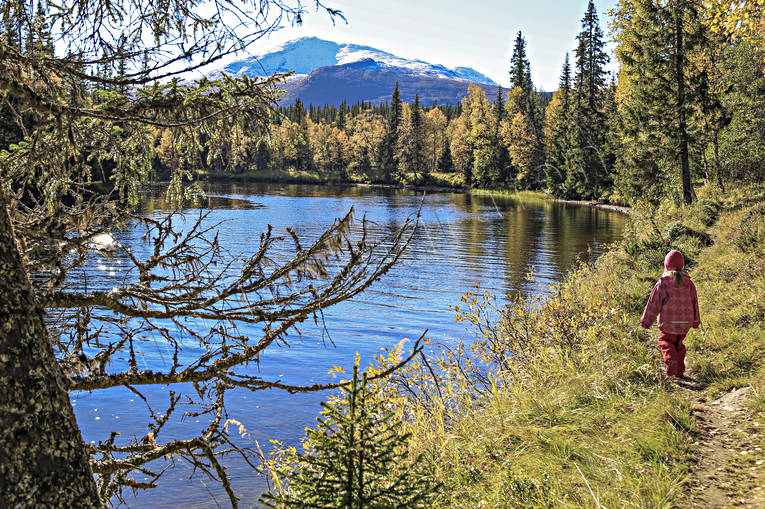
477 34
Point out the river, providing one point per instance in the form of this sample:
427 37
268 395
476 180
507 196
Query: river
464 241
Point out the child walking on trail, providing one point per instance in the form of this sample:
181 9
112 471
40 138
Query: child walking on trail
674 301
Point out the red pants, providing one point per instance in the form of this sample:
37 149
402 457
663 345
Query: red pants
673 351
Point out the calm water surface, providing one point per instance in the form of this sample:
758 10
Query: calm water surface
463 242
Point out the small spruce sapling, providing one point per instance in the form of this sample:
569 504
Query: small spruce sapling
355 458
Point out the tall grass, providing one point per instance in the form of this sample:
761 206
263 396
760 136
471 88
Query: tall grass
564 402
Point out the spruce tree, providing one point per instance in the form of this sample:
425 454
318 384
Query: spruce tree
558 118
298 112
419 161
591 60
586 171
395 109
262 156
565 84
527 103
502 166
519 65
499 106
445 163
388 159
520 76
356 459
341 111
661 88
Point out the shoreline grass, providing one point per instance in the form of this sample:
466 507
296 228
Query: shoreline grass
593 420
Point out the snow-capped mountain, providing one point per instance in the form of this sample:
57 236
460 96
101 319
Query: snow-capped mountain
307 54
327 72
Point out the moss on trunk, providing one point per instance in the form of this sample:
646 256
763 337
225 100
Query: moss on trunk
43 462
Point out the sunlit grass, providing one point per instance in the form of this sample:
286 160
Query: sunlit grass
562 401
594 420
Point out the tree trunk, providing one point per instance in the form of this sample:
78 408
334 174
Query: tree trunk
717 162
682 127
43 462
706 164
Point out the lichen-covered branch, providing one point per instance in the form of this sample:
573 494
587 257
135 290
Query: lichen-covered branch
187 279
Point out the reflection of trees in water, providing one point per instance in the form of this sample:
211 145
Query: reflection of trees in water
524 238
519 234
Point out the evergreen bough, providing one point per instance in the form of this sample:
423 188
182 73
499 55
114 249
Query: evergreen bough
357 459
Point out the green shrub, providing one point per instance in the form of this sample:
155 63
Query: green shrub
356 458
749 236
709 210
678 230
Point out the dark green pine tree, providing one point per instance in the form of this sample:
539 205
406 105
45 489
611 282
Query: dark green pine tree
499 106
298 112
611 143
591 60
503 167
586 171
560 125
419 162
520 75
388 159
661 90
341 114
445 163
262 156
530 107
357 460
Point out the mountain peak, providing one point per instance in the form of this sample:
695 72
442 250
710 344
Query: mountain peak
306 54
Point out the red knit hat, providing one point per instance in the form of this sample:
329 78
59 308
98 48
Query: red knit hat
674 260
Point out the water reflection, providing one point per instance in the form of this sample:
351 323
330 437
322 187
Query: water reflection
464 241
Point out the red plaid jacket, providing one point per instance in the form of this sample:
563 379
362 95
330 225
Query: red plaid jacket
676 306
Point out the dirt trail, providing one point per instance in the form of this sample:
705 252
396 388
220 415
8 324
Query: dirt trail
728 452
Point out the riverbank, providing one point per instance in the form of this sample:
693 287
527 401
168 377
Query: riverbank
545 196
441 183
588 418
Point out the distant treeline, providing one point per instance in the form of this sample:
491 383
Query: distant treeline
688 104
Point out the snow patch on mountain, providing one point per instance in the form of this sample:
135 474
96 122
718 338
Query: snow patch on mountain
307 54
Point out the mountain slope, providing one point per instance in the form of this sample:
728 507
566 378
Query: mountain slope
366 80
307 54
327 72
